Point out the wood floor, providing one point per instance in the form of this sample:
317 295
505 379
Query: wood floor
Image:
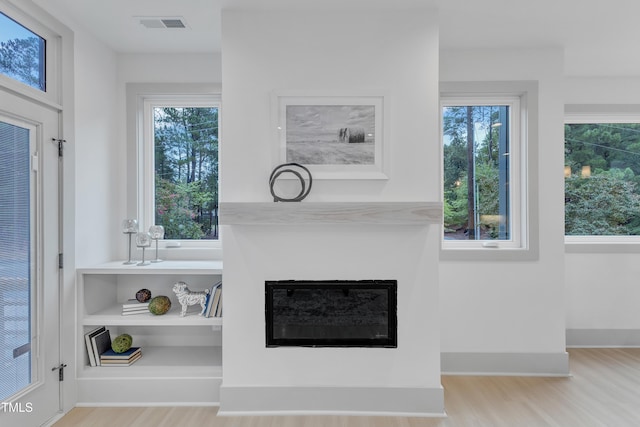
604 390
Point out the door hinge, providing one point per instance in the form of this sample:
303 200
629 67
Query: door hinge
60 143
60 371
60 261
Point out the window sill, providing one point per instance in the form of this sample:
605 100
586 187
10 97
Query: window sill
489 254
596 245
183 253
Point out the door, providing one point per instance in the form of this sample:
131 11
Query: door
29 273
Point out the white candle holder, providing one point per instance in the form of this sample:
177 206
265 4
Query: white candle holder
157 233
143 240
130 227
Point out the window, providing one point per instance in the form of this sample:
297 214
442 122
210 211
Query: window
484 143
179 166
22 53
602 177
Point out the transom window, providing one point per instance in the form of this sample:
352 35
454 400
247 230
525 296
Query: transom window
482 167
22 54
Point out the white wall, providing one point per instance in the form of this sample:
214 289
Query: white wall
603 294
341 59
602 90
97 169
601 280
90 194
514 308
169 68
333 53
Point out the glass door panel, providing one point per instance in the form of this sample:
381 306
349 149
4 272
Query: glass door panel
15 259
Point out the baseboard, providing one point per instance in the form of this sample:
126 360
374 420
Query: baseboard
145 404
520 364
612 338
137 391
386 401
53 420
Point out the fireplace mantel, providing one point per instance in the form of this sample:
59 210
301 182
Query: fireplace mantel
300 213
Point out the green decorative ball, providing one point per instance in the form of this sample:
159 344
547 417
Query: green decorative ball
159 305
122 343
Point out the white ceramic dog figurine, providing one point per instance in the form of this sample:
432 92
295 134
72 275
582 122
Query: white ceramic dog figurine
187 297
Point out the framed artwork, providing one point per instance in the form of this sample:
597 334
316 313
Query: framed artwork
335 137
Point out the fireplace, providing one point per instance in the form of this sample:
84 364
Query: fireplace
272 366
337 313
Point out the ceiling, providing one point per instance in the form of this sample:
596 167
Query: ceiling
599 37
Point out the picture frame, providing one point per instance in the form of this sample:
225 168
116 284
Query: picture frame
335 136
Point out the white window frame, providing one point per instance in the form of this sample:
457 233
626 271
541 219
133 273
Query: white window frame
141 99
585 114
521 97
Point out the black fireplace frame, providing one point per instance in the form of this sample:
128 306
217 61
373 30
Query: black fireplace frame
389 341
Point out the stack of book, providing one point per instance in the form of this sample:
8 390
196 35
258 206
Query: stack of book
134 307
111 358
213 305
97 342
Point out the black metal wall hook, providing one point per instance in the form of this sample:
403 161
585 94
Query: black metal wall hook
287 168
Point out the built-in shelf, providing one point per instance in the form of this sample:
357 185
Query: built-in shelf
181 356
298 213
164 267
112 316
163 362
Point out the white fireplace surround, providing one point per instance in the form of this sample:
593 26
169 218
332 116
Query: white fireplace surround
324 241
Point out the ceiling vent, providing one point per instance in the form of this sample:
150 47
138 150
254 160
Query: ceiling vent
156 22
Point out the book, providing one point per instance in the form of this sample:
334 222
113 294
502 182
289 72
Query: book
130 312
101 343
128 305
112 355
135 309
207 301
218 302
127 362
209 304
219 307
89 344
146 308
213 301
